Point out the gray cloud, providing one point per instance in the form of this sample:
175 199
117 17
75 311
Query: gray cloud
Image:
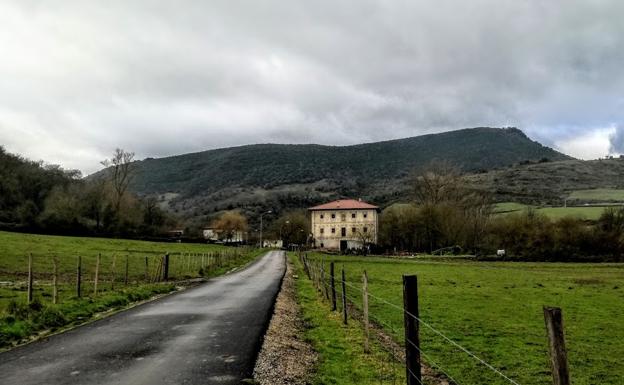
79 78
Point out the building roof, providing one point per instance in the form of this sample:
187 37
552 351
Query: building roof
345 204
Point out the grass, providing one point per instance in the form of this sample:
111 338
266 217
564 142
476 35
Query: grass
588 213
494 309
342 359
18 320
600 194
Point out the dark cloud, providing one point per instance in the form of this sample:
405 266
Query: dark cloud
79 78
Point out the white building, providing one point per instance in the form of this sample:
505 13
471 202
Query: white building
216 235
344 224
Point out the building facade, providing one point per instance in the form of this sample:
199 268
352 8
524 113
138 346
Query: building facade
344 224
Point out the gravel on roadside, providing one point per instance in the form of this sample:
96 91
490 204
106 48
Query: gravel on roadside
285 357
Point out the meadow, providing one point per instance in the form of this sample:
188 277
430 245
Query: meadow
583 212
600 194
494 310
116 289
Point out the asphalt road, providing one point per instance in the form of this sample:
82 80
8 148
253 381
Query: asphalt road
209 334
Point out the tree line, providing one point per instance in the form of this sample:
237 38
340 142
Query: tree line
447 216
35 196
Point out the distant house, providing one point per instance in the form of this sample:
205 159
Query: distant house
344 224
273 243
218 235
178 233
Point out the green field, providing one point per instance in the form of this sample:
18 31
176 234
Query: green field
495 311
589 212
115 289
600 195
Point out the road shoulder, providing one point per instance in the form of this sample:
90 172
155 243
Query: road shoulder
285 358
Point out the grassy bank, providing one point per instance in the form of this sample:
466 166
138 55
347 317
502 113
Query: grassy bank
342 359
495 311
116 289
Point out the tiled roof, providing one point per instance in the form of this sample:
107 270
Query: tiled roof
344 204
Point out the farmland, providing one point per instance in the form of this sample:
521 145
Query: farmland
116 289
600 195
583 212
495 311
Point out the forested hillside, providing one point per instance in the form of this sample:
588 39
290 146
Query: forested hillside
25 185
258 177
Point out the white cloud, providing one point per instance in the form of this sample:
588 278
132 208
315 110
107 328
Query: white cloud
591 145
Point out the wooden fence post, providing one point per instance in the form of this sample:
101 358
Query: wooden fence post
344 299
146 269
332 280
412 338
126 275
113 272
55 280
557 349
79 277
30 277
323 284
166 267
97 274
365 311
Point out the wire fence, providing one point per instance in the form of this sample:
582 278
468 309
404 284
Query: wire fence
53 278
353 302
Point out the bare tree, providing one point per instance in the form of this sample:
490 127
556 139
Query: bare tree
365 237
121 173
437 182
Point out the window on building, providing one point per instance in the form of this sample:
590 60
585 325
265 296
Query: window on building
343 217
353 230
343 231
333 216
365 229
353 215
365 215
333 231
322 216
322 230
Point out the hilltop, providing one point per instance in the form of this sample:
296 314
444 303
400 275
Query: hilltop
279 176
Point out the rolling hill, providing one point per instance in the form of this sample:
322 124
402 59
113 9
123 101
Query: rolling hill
257 177
550 183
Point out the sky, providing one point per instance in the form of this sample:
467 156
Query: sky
81 78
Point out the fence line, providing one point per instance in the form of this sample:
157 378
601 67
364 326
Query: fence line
315 271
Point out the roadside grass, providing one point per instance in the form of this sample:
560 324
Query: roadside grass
22 320
494 309
18 320
599 194
342 359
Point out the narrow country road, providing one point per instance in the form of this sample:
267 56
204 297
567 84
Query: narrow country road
209 334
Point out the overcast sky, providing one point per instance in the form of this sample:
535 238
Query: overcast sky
79 78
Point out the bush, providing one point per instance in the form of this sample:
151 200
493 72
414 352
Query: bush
51 317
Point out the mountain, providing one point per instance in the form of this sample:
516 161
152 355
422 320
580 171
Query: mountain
277 176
